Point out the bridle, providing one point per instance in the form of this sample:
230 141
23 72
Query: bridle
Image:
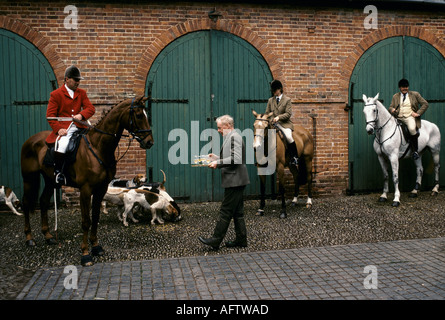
268 126
137 131
376 118
134 132
377 130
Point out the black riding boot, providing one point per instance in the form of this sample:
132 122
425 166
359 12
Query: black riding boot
241 234
59 163
218 234
293 154
415 146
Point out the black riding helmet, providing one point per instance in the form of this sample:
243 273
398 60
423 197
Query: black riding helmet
73 73
275 85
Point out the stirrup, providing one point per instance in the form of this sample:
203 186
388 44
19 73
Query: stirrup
294 162
60 179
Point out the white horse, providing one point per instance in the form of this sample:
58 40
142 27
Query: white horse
390 144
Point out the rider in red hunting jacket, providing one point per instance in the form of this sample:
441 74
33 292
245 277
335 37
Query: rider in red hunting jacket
67 101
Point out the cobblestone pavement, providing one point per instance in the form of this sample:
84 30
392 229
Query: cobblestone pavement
405 269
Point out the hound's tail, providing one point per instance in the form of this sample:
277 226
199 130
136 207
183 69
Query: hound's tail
165 179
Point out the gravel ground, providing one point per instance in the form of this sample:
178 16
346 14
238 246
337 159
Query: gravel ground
331 221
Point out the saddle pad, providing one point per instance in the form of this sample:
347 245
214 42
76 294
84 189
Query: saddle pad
71 150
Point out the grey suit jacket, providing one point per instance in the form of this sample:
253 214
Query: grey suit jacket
232 161
415 98
282 110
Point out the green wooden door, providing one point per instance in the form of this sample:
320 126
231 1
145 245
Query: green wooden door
195 79
26 80
378 71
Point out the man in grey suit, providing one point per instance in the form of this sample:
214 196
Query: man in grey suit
234 178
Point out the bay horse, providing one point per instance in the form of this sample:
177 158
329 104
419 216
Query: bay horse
93 169
265 151
391 145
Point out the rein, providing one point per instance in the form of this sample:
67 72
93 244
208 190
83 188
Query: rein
379 129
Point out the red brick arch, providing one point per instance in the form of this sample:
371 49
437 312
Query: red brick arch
181 29
378 35
38 40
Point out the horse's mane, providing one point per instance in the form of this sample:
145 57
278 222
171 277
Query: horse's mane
105 112
380 105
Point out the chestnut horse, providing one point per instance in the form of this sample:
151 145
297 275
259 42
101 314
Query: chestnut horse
93 169
265 148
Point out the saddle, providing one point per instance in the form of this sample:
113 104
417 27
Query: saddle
71 150
405 130
281 135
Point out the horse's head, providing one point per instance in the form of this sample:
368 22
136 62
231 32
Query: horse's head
261 123
371 113
138 125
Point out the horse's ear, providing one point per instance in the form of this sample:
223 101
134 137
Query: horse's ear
364 98
139 100
376 97
270 114
254 113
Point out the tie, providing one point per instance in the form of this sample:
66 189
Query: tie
404 97
278 100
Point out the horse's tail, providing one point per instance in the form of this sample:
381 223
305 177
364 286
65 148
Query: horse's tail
302 171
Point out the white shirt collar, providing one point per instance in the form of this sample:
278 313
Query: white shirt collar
70 92
279 97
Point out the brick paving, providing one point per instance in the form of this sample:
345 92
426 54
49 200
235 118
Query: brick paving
406 269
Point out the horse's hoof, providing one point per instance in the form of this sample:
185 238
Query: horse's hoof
260 213
382 199
434 193
413 195
51 241
86 261
294 204
308 206
97 251
395 204
283 215
30 243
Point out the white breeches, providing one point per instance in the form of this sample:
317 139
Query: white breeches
62 141
411 124
287 132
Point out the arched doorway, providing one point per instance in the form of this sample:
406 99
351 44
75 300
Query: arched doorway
195 79
26 81
378 71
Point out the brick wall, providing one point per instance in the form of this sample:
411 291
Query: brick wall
312 50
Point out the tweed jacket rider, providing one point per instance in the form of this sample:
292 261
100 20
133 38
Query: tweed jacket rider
282 110
416 99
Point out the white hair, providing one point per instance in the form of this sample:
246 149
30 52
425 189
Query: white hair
225 119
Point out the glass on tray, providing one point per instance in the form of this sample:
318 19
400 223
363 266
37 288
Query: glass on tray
202 160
